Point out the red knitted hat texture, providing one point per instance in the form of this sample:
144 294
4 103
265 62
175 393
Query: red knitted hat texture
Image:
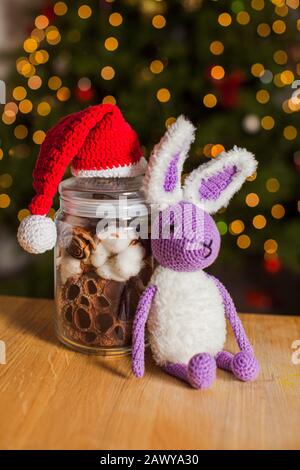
96 141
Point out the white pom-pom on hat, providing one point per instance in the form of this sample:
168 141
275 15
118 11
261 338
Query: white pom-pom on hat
37 234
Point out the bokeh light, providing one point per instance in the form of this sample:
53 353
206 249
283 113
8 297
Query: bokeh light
108 72
278 211
252 200
163 95
259 221
243 242
272 185
209 100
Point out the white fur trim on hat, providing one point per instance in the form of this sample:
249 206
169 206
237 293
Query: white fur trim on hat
126 171
37 234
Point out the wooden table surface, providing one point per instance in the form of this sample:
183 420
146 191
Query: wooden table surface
54 398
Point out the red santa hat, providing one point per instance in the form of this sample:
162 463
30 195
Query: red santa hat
97 142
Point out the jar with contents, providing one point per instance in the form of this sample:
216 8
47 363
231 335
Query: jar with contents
102 262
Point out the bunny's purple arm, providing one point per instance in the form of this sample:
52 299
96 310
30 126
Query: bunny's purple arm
244 364
138 333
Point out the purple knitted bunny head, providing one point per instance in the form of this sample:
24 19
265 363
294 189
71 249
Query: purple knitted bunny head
184 236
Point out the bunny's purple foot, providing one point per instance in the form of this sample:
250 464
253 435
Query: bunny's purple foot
199 373
243 365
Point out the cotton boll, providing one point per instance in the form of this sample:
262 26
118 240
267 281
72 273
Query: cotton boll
69 267
130 262
108 271
117 239
99 256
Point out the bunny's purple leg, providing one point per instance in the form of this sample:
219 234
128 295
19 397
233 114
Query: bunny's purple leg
138 332
243 364
199 373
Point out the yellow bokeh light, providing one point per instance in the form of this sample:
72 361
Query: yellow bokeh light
287 77
108 73
263 30
252 177
224 19
272 185
236 227
156 66
278 211
282 10
270 246
1 154
159 21
243 18
216 149
25 106
6 181
38 34
163 95
53 36
63 94
279 26
4 201
111 44
170 121
34 82
43 108
217 72
262 96
30 45
41 22
209 100
21 132
109 99
257 5
115 19
207 150
60 8
290 132
23 213
257 70
267 123
19 93
84 12
38 137
243 242
294 4
259 221
280 57
216 48
8 117
54 83
252 200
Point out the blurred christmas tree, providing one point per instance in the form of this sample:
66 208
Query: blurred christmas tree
231 66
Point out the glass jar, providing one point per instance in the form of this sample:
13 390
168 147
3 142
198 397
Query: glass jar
102 262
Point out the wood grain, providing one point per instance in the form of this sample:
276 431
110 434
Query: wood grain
53 398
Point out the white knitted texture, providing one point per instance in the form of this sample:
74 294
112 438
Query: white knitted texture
37 234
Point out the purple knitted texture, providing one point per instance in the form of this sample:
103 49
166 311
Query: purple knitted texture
195 243
212 188
199 373
244 364
138 332
171 176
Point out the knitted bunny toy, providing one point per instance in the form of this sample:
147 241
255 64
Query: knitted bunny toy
184 307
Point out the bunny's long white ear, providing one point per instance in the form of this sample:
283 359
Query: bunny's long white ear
162 181
212 185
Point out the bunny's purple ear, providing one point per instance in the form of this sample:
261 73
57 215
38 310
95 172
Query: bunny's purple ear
162 181
212 185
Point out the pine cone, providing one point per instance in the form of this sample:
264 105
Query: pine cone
80 244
